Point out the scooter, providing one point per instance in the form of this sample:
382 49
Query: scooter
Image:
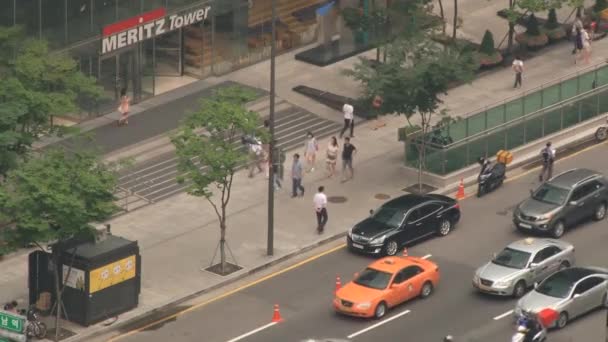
523 329
34 327
602 132
491 178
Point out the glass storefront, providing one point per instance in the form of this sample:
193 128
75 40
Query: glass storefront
234 34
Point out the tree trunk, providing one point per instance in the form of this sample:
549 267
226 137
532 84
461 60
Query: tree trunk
223 245
442 15
455 23
57 294
511 30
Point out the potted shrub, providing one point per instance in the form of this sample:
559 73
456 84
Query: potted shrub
533 38
552 28
487 54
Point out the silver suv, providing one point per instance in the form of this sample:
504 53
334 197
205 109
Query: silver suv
563 201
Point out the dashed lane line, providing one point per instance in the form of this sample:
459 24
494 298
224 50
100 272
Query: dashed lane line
427 256
503 315
252 332
378 324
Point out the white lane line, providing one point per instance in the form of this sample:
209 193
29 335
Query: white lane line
427 256
253 332
378 324
503 315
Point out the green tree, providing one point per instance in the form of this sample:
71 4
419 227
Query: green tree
53 198
552 22
223 118
487 44
417 72
36 84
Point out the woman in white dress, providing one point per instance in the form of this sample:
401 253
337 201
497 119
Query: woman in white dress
310 151
332 156
586 45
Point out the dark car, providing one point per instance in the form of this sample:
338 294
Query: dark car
563 201
403 220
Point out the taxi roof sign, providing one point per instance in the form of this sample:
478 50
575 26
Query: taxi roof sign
529 241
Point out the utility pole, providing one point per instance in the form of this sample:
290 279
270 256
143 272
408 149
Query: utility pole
271 146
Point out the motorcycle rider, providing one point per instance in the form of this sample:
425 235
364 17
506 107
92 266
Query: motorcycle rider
529 328
485 165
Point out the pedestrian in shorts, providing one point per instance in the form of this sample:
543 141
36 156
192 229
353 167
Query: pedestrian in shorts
349 120
518 68
548 157
348 150
296 176
320 204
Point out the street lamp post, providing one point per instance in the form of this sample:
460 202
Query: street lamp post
271 146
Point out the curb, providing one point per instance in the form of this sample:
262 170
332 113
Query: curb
159 310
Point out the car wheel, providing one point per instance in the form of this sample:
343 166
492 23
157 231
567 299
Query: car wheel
519 290
558 229
445 227
391 248
427 290
380 310
563 265
600 212
562 320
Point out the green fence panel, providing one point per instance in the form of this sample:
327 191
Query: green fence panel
603 102
533 102
514 109
588 107
569 89
477 148
496 116
515 136
434 160
551 95
602 76
534 129
458 130
477 123
456 158
496 142
586 82
553 121
570 115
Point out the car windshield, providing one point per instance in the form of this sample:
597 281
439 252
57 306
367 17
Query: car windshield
390 216
551 194
558 285
373 278
512 258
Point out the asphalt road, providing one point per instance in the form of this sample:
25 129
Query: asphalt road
305 293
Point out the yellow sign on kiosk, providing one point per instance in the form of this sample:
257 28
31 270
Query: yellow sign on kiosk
112 274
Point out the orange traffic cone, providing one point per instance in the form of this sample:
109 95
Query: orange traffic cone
405 252
276 316
338 284
460 193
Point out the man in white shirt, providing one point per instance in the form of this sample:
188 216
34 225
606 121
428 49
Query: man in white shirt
349 120
518 68
320 205
548 157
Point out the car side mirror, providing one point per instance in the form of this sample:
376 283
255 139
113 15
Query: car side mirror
576 295
393 286
531 192
533 265
356 275
371 212
494 256
573 203
535 285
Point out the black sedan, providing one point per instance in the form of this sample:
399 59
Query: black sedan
403 220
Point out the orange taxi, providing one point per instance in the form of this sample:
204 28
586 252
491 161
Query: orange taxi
386 283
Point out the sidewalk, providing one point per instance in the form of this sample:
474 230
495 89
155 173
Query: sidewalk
178 237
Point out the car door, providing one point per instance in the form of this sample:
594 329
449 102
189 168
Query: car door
586 295
429 216
555 257
540 266
410 282
579 203
397 290
412 228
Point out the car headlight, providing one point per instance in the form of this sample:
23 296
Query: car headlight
350 233
544 217
503 283
378 240
476 278
364 306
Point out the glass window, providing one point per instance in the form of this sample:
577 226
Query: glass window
6 14
128 8
413 216
389 216
27 16
153 4
583 191
104 13
587 285
177 4
373 278
429 209
558 285
512 258
53 22
79 20
550 194
411 272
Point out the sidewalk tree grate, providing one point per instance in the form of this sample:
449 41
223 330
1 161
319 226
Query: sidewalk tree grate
63 334
416 189
217 269
382 196
336 199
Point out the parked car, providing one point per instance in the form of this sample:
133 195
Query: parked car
403 220
522 264
386 283
562 202
571 292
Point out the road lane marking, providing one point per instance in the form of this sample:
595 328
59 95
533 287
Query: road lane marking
427 256
503 315
227 294
253 332
378 324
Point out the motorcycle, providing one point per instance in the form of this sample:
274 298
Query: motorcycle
491 178
524 329
34 327
602 132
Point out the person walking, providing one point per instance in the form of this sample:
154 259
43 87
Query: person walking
256 154
266 148
577 26
349 120
296 176
548 157
278 159
586 45
320 204
348 150
332 156
311 146
518 68
123 108
578 43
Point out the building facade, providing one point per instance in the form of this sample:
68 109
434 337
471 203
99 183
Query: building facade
148 47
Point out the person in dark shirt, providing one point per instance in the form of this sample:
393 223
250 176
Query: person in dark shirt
348 150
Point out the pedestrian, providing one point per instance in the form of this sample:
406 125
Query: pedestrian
320 205
578 43
256 154
586 45
348 150
123 108
332 156
349 120
266 148
278 158
296 176
518 68
577 26
311 146
548 157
